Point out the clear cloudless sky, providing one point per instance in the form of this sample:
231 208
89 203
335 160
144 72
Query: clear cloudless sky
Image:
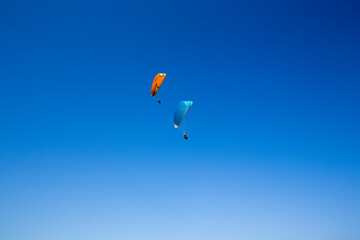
274 132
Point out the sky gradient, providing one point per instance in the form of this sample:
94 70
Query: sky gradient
274 131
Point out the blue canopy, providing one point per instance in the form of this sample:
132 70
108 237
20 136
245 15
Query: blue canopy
180 112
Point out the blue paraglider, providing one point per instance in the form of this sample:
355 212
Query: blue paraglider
180 112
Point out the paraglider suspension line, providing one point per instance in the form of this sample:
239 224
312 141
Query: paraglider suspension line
185 125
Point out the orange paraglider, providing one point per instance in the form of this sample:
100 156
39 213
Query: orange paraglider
159 78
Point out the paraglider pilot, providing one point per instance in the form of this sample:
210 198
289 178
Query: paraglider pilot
186 137
159 101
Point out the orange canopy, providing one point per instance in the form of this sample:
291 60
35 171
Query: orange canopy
159 78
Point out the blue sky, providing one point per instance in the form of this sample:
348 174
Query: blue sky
87 153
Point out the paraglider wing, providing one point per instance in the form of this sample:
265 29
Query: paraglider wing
180 112
159 78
